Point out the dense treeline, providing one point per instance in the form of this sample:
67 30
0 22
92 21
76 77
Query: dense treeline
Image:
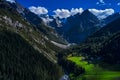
19 61
110 51
70 67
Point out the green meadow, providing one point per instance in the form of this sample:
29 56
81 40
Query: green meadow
94 72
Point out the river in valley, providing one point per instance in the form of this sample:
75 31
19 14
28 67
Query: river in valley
65 77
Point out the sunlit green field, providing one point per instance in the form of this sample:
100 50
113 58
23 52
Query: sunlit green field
94 72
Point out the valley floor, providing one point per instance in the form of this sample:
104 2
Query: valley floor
93 72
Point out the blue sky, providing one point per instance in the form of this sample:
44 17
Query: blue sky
68 4
63 5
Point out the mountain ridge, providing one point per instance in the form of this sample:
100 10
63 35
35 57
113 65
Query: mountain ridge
82 25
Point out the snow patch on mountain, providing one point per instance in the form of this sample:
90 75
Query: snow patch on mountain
60 45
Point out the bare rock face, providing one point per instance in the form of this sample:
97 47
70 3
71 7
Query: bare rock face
9 21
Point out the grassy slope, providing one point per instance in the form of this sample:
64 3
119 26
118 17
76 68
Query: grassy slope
94 72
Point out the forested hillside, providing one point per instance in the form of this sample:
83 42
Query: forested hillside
20 61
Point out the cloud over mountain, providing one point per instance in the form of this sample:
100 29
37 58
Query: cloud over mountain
101 14
76 10
38 10
64 13
11 1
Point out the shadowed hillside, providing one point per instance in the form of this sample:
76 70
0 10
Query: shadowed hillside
19 61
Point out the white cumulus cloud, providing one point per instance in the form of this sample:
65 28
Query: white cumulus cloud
118 4
64 13
76 10
101 2
38 10
11 1
101 14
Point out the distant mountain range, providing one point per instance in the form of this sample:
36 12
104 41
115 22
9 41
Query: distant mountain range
76 28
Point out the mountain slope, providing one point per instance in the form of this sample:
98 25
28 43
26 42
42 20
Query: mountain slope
38 22
20 61
111 28
84 26
94 45
78 27
26 53
110 18
12 20
110 51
